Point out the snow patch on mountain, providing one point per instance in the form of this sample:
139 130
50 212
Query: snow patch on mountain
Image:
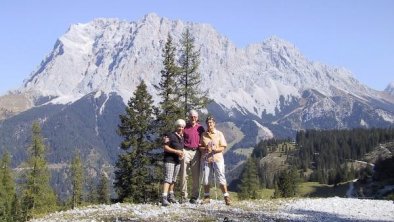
263 133
385 115
363 123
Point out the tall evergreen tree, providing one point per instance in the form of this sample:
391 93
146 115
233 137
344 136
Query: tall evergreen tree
38 196
192 96
3 203
91 195
133 176
7 188
287 183
169 91
103 189
250 184
17 213
77 181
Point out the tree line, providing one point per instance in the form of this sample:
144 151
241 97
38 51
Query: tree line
32 194
325 152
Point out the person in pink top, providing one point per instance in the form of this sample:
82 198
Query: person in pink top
191 157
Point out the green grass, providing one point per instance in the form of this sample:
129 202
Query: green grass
247 152
306 189
314 189
267 193
264 194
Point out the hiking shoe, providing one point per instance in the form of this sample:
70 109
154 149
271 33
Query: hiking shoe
193 200
227 200
206 200
164 202
183 200
171 198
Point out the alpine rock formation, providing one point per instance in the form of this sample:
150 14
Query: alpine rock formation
390 89
263 90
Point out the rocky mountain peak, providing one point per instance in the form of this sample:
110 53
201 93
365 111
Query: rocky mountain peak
113 56
151 18
390 88
281 46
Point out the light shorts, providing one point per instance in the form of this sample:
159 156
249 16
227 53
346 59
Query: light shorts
214 169
171 171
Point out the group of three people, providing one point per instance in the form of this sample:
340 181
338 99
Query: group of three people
191 147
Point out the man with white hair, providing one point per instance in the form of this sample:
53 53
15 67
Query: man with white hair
191 158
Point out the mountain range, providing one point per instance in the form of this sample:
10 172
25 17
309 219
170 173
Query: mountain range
267 89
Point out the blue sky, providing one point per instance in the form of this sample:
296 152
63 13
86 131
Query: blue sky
357 35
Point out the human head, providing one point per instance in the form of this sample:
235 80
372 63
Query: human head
179 125
193 116
210 121
180 122
210 118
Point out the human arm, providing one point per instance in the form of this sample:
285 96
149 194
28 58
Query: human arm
220 145
218 148
170 145
168 149
200 130
166 139
203 144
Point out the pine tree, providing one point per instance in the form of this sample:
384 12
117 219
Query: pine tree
276 187
91 195
17 213
3 203
38 196
134 181
7 188
170 107
250 184
287 183
103 190
260 150
77 181
192 96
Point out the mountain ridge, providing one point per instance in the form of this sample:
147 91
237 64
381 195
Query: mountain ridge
100 60
270 83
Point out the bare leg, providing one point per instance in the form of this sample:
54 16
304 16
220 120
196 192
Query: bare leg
206 188
171 187
164 201
207 198
223 187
